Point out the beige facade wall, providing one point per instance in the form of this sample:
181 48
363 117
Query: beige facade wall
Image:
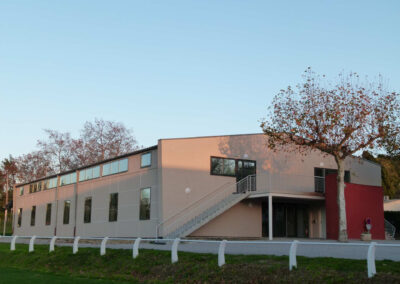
241 221
185 163
127 185
26 202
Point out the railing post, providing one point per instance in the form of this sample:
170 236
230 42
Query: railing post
292 255
12 246
174 250
52 243
103 246
75 246
371 260
32 244
135 252
221 253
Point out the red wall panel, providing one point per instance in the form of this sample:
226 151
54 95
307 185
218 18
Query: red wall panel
362 201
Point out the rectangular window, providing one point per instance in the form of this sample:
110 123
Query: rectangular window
223 166
48 214
67 209
52 183
19 222
115 167
145 160
33 215
21 191
89 173
106 169
88 210
68 179
113 209
145 203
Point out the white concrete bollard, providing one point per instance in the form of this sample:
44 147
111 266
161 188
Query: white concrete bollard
221 253
174 250
52 243
75 247
103 246
12 246
136 244
292 255
371 260
32 244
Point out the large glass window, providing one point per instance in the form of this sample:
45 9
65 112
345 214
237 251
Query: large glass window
115 167
21 190
33 215
223 166
48 214
88 210
145 203
67 209
89 173
113 209
68 179
145 160
19 220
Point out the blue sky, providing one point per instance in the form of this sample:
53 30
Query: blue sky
176 68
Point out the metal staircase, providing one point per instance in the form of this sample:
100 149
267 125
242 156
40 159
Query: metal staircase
206 209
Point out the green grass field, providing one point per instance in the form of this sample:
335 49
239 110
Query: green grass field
117 266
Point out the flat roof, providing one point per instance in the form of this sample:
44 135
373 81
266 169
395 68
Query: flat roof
92 165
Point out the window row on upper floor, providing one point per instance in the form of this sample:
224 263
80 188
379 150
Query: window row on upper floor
110 168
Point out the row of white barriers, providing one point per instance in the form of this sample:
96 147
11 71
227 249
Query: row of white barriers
371 269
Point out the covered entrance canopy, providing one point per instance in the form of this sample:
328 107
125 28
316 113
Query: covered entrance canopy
296 216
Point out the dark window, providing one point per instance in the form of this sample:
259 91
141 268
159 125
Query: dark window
223 166
33 215
67 208
19 217
88 210
145 160
113 212
48 214
145 204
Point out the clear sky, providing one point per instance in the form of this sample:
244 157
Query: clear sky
176 68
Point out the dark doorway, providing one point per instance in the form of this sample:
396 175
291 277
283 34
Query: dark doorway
289 220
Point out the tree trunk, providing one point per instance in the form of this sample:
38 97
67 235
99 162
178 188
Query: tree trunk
341 201
5 212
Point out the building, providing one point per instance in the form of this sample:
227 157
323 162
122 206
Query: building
217 186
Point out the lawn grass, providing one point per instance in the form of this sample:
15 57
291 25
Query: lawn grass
155 267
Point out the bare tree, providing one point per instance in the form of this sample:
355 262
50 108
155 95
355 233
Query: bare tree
106 139
57 148
32 166
339 120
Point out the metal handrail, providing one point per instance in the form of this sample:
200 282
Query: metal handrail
389 227
201 201
187 207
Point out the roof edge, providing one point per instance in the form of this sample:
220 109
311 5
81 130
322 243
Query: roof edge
92 165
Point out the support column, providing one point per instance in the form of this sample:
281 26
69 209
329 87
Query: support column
270 233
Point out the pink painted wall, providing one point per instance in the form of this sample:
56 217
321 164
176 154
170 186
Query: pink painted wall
362 201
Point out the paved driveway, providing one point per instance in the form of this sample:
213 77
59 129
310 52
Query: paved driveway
325 249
